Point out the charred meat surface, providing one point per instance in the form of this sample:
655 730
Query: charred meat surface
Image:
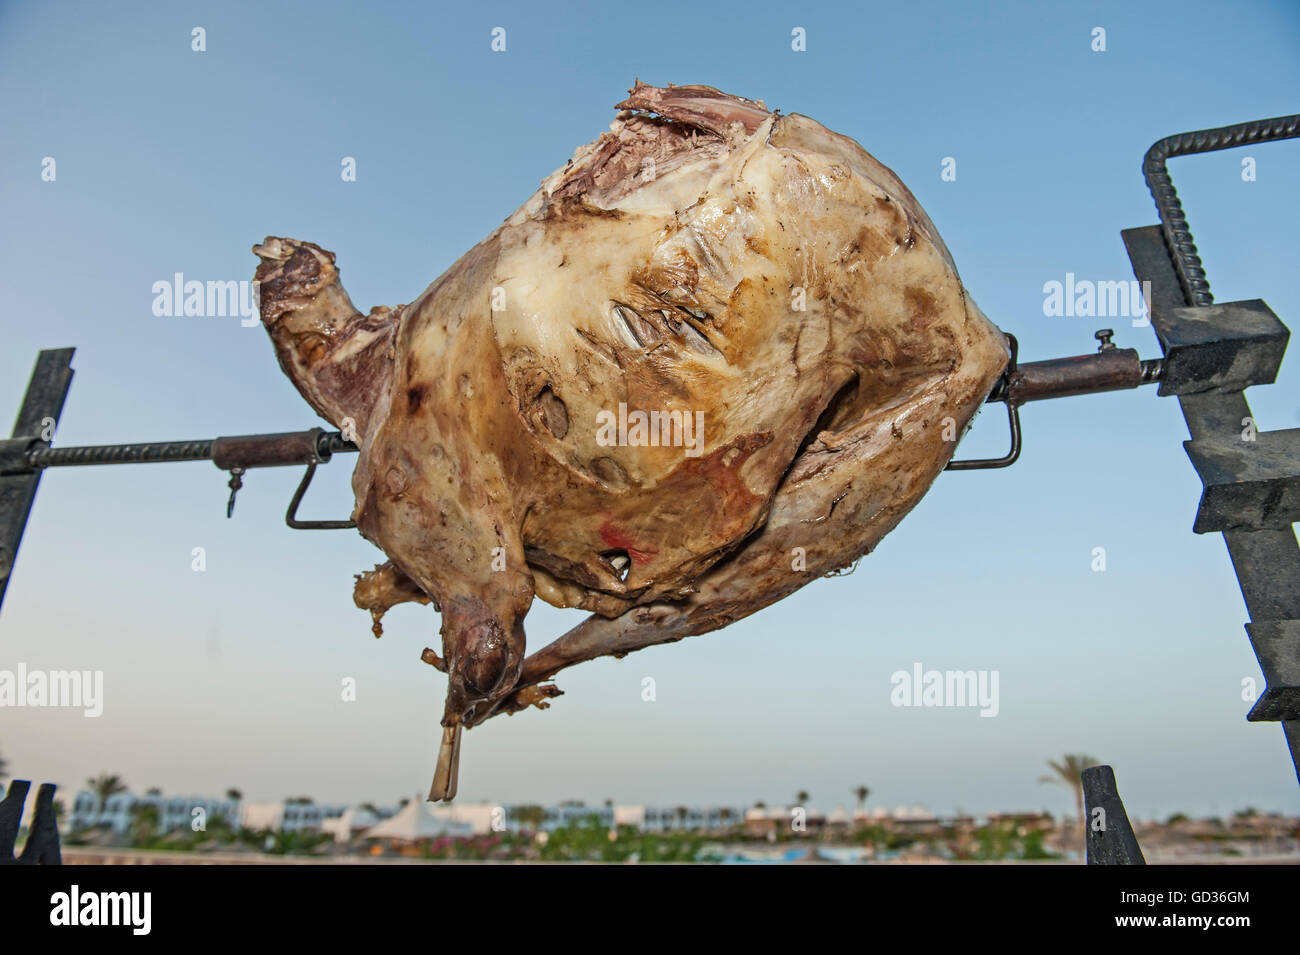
719 354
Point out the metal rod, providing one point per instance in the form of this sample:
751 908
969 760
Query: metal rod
1109 370
44 457
1173 221
262 450
1113 369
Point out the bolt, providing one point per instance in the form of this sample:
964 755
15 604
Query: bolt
1103 336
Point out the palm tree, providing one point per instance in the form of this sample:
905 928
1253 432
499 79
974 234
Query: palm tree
1069 772
862 792
801 797
234 795
153 791
144 823
106 786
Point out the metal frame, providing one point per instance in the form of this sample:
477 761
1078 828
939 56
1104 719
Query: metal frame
1252 478
40 412
42 846
1108 835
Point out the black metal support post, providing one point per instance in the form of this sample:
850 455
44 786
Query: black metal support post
1251 477
1108 833
42 846
37 419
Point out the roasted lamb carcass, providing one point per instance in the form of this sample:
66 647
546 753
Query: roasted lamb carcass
719 354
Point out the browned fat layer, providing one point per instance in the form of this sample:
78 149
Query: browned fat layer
638 150
702 106
573 208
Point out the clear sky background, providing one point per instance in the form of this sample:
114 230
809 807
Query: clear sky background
171 161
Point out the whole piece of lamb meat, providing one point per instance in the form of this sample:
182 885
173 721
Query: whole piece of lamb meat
716 356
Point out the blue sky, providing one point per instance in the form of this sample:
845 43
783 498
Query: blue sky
169 160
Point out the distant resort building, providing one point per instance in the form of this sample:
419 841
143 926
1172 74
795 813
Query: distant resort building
679 818
1022 822
290 816
768 821
415 820
174 812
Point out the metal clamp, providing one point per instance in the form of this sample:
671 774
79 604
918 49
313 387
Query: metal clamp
291 519
320 451
1013 419
311 447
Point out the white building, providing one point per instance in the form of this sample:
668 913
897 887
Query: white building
678 818
480 817
174 812
485 817
348 822
571 813
291 816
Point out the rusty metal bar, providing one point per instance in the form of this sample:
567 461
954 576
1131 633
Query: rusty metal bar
1114 369
244 451
267 450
